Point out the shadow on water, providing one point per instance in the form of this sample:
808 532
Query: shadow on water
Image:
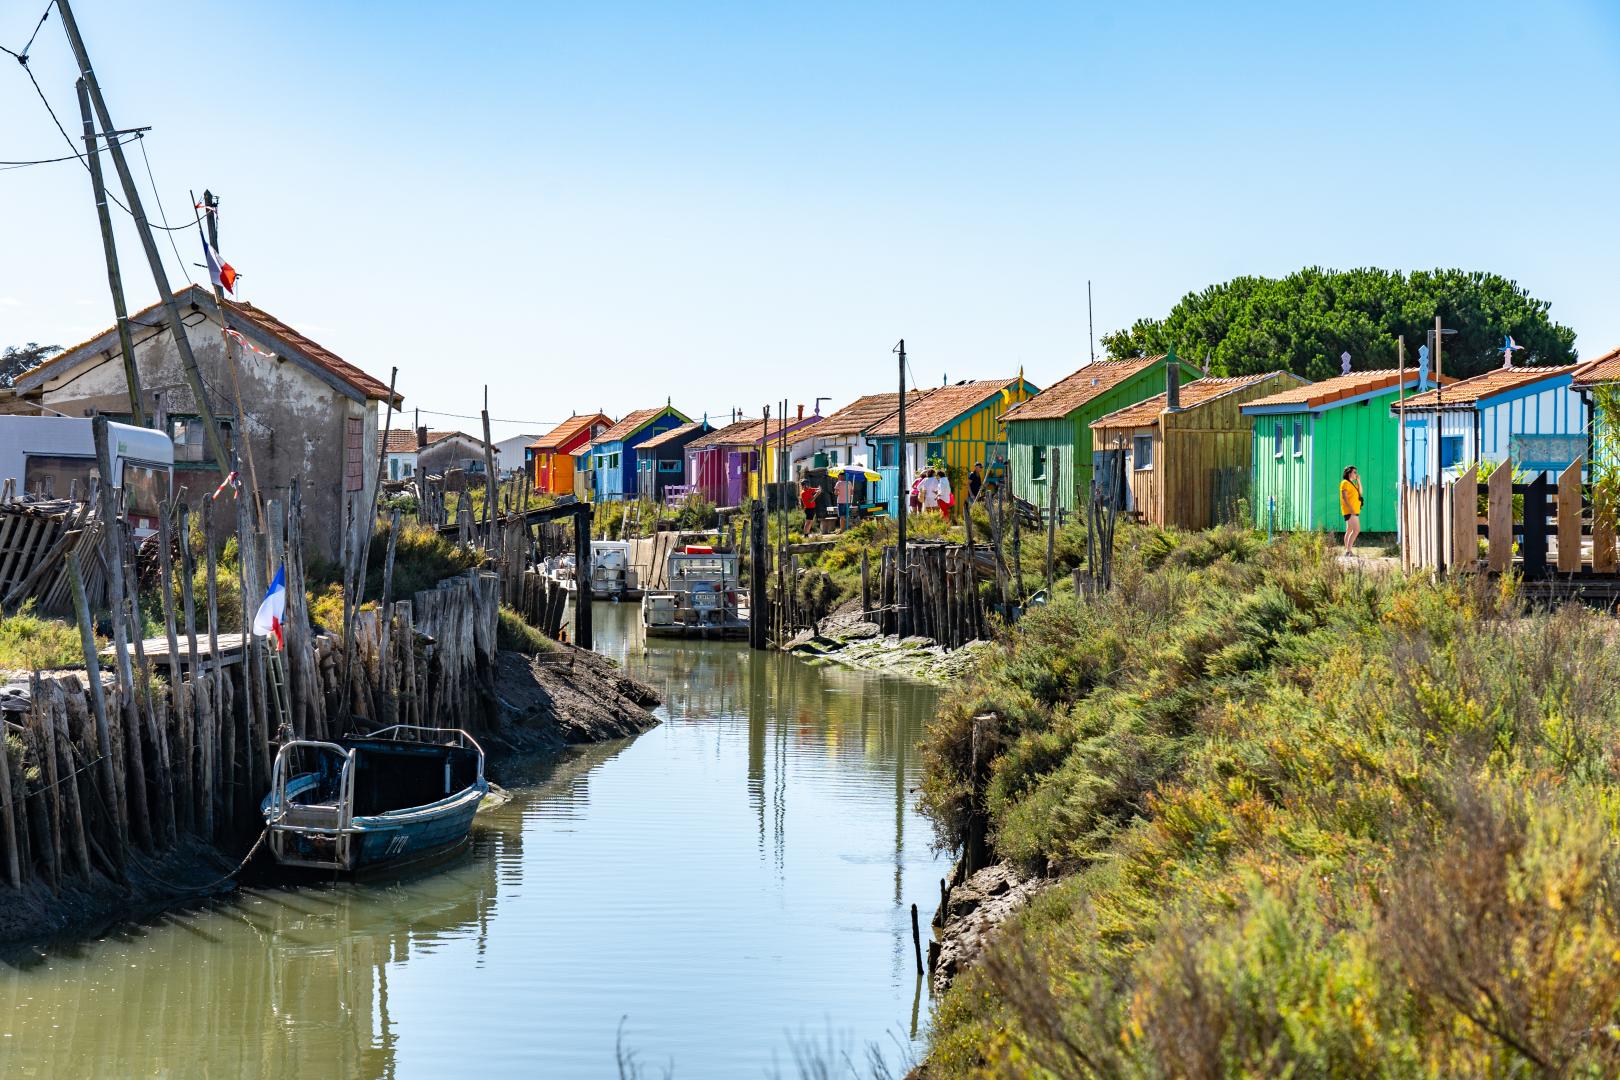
730 880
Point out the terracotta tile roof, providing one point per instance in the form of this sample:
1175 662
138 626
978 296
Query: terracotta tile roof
1063 397
1604 369
746 432
940 406
859 415
675 434
568 430
254 318
439 437
399 441
1465 393
1325 392
1198 392
628 426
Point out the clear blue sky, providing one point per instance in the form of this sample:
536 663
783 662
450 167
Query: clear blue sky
590 205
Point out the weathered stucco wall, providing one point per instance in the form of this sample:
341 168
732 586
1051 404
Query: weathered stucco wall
294 421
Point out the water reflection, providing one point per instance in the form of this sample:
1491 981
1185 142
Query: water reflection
740 874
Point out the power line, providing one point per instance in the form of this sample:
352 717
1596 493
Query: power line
7 165
22 57
164 215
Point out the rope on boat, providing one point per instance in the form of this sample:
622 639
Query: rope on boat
252 851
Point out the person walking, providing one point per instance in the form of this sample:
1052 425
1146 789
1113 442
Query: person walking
1350 506
975 481
841 495
917 490
942 492
930 491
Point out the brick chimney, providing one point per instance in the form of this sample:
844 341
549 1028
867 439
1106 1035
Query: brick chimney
421 438
1172 386
801 411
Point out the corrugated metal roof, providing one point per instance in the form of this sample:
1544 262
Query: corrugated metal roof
1468 392
1063 397
1193 394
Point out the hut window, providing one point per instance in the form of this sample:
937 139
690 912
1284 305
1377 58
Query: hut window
1037 467
1451 451
886 455
1142 452
1299 438
832 457
670 466
936 452
1276 438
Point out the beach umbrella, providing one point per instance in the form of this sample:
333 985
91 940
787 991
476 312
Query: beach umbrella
853 470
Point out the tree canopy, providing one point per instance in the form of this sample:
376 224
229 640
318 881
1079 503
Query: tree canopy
17 359
1303 322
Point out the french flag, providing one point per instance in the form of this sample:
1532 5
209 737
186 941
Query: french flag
220 272
272 609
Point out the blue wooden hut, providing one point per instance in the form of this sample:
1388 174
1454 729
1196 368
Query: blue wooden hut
613 454
1530 414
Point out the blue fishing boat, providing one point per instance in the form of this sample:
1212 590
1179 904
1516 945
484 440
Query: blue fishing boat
373 802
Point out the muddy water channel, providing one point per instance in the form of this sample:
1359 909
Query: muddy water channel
732 885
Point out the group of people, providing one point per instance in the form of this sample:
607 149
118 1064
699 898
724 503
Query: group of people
930 491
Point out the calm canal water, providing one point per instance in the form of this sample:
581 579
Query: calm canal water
733 883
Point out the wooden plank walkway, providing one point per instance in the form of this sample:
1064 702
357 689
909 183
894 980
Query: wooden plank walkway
157 650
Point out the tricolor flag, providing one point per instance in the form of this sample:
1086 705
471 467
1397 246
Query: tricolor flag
226 484
271 610
220 272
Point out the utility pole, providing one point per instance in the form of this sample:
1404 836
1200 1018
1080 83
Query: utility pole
109 247
188 360
900 502
233 359
1439 439
1091 325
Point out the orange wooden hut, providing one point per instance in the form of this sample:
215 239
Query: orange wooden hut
551 456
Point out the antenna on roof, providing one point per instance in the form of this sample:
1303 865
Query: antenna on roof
1091 325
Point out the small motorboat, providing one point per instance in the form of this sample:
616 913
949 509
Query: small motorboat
374 802
703 599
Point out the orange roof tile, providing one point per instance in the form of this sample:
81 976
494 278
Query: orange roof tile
1198 392
568 430
399 441
858 415
675 434
940 406
1465 393
1063 397
1604 369
1325 392
244 316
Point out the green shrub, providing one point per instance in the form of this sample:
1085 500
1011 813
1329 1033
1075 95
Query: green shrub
1310 823
515 635
29 642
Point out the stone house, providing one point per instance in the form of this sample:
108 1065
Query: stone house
305 412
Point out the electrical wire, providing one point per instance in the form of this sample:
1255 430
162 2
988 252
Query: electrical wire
22 57
6 166
163 214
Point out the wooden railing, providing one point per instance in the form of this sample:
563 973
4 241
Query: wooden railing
1556 528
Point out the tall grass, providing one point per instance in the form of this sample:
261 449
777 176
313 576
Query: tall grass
1306 822
31 642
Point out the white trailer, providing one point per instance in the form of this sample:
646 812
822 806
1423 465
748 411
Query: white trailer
46 454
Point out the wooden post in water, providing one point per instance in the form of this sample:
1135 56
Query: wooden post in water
182 706
916 939
756 576
390 711
582 576
98 706
866 585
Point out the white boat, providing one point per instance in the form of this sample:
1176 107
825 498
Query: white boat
612 576
704 598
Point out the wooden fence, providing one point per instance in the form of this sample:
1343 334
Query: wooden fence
1541 528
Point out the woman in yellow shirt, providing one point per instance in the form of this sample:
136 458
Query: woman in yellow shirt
1350 506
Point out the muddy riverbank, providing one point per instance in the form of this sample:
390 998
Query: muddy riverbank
540 705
